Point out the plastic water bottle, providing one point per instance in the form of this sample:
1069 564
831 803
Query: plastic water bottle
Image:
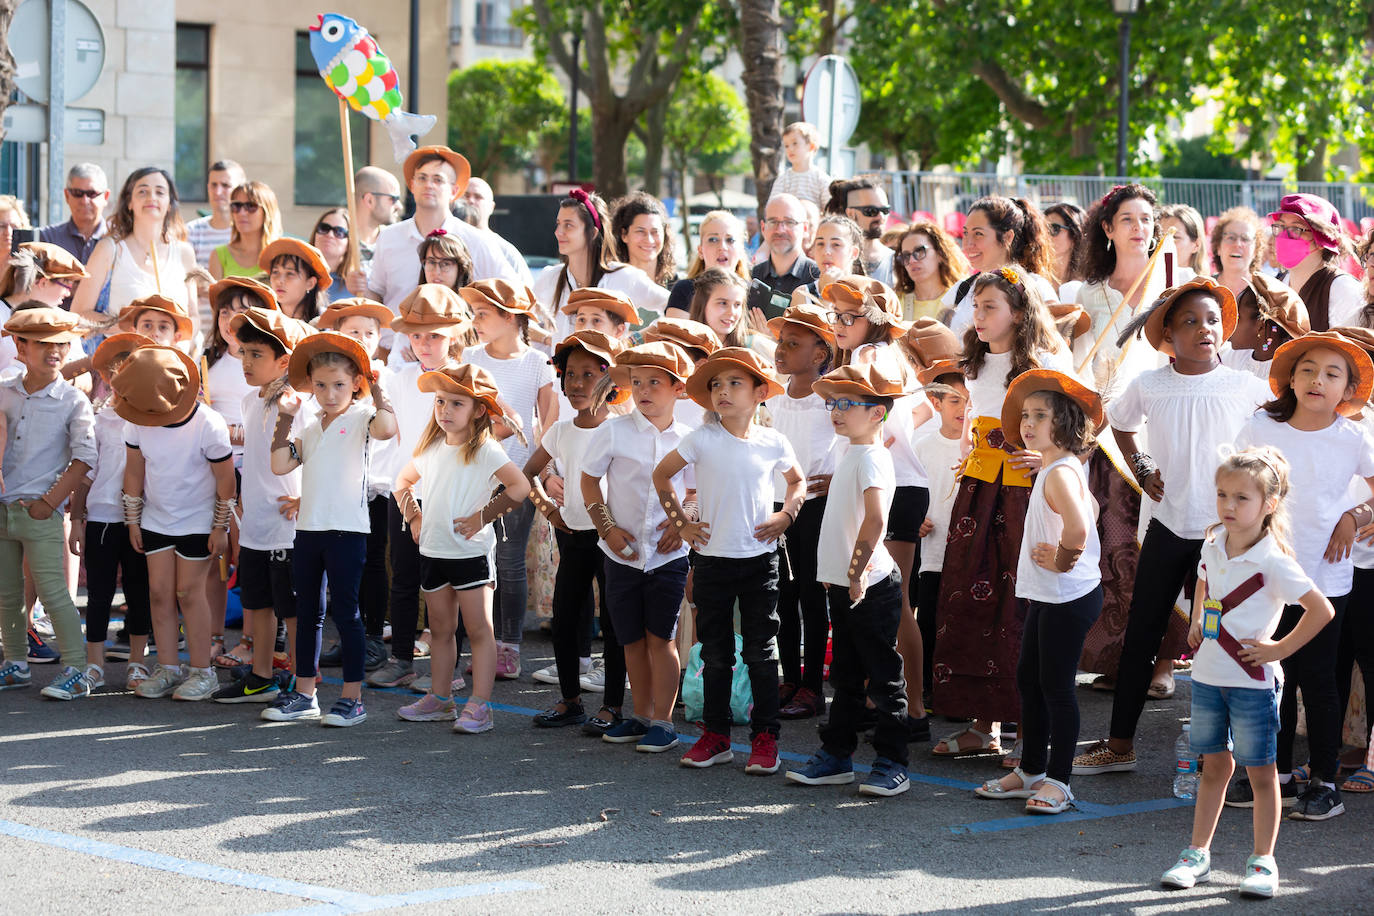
1185 767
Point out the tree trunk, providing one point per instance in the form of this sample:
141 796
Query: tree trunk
828 28
1311 159
654 120
686 216
7 8
611 127
761 46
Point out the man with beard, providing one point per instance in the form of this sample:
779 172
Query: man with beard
866 204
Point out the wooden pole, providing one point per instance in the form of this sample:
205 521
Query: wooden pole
157 274
348 183
1126 299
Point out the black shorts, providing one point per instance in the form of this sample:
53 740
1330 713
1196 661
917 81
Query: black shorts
187 546
462 575
265 581
909 507
641 602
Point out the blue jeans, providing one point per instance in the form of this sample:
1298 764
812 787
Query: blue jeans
1242 720
718 582
341 555
512 588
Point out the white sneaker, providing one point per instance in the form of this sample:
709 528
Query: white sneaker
42 623
1261 877
161 682
594 681
1194 866
199 684
547 675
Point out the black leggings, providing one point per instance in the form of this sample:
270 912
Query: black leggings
405 584
107 555
1357 638
803 615
1045 675
927 596
372 594
579 562
1312 669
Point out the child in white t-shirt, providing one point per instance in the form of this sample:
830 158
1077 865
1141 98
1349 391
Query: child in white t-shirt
455 464
1246 577
735 557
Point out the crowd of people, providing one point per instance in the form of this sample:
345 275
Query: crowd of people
870 453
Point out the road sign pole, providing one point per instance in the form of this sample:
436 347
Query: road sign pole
832 154
57 106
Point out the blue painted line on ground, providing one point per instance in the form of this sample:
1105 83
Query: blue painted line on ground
1082 811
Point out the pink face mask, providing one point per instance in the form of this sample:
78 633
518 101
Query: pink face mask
1290 252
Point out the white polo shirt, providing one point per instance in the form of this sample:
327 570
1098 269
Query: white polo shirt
263 527
335 470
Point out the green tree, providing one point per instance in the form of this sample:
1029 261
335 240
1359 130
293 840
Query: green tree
499 111
703 129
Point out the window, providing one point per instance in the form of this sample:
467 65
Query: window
319 152
492 25
192 110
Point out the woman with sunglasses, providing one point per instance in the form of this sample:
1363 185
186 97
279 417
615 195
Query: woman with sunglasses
257 224
1065 223
330 238
927 265
1309 244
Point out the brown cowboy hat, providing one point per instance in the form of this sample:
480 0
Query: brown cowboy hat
457 160
429 306
1281 304
686 333
114 349
811 317
44 325
500 294
156 386
931 345
228 284
1031 381
658 354
1344 342
303 250
698 386
128 316
598 344
858 291
288 331
298 370
862 382
53 262
473 381
340 309
615 303
1070 319
1154 323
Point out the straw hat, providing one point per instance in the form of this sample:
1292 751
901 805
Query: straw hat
340 309
306 252
1031 381
473 381
429 306
287 330
457 160
128 316
614 303
113 350
229 284
602 346
685 333
698 386
861 382
44 325
811 317
298 371
658 354
1154 322
156 386
500 294
1345 342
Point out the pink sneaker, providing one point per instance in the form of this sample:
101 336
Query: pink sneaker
507 662
476 718
429 708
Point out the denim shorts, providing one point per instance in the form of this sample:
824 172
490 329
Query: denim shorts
1242 720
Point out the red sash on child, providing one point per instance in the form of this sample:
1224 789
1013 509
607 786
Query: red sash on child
1228 642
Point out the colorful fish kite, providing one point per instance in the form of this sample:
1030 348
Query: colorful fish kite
360 74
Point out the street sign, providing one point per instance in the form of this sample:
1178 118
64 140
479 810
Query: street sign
831 101
28 123
29 42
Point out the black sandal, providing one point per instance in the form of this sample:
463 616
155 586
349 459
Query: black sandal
606 718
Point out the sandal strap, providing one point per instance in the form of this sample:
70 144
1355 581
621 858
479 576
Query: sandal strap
1063 787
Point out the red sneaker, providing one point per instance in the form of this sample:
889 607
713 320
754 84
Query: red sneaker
712 748
763 756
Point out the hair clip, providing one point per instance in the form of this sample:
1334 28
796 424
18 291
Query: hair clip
1009 275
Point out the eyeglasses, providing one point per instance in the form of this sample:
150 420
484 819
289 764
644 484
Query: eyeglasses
84 192
843 404
244 206
440 263
915 254
871 212
339 232
439 180
775 223
1290 232
1056 228
1232 238
845 318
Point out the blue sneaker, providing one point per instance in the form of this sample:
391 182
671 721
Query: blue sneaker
12 677
824 769
291 706
40 653
629 731
345 712
70 684
656 740
887 778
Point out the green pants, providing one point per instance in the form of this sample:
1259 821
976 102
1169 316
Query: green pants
45 547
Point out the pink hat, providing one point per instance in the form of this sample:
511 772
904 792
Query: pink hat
1318 213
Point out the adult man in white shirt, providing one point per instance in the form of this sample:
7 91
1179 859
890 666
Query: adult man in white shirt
481 201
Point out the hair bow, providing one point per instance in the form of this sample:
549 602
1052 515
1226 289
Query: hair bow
435 232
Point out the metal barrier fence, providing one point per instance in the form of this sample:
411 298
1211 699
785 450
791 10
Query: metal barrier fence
942 194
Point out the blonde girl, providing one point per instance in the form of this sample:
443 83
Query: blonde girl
721 242
256 219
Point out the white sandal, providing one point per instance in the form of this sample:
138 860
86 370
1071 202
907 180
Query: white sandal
1050 805
993 788
986 744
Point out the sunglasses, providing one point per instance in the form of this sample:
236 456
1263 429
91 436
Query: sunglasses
871 212
339 232
244 206
1056 228
843 404
915 254
84 192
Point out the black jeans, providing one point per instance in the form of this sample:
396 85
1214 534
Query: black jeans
802 608
927 597
579 562
109 554
1357 638
372 594
340 555
717 583
1312 669
1167 563
864 649
405 584
1051 643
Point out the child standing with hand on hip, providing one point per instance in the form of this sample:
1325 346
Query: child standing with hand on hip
1247 576
734 544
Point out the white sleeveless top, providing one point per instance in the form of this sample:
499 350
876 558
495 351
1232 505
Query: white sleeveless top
129 281
1045 526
